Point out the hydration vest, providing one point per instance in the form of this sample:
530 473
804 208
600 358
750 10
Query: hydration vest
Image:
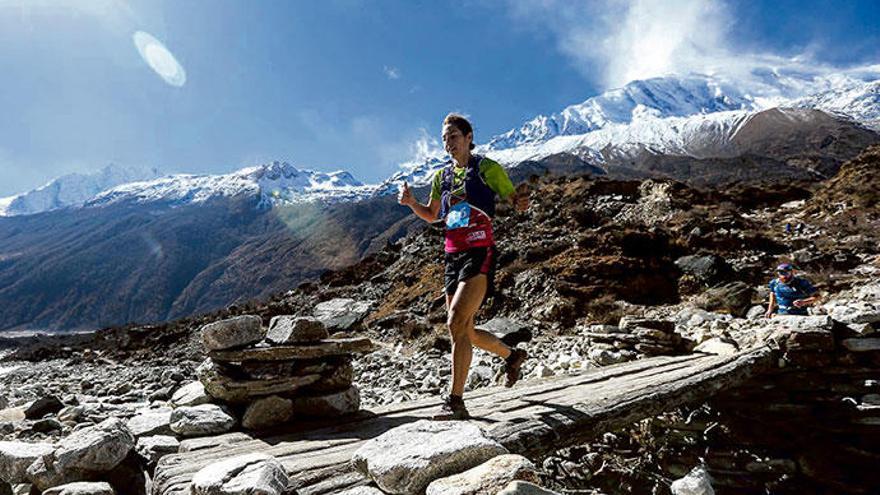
477 193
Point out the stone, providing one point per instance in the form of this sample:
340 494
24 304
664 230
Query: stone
336 404
82 488
756 312
718 345
46 425
733 297
327 347
95 448
154 447
862 345
257 474
204 419
6 488
15 457
630 324
266 412
525 488
71 414
707 269
191 394
239 391
510 331
43 406
489 477
287 329
406 459
339 378
604 357
150 422
802 323
233 332
696 482
856 312
341 314
224 440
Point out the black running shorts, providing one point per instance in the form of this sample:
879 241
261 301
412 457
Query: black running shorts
463 265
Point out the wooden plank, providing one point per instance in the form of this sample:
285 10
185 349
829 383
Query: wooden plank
533 418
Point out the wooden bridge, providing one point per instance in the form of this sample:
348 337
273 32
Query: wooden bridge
533 419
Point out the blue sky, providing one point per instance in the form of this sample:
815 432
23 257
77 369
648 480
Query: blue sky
348 83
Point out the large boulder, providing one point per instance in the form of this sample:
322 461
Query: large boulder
95 448
288 329
204 419
82 488
233 332
151 422
489 477
733 297
267 412
258 474
15 457
191 394
335 404
406 459
43 406
341 314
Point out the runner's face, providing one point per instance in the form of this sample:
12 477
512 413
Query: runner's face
454 141
785 276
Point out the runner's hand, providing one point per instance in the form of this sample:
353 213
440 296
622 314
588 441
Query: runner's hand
800 303
405 195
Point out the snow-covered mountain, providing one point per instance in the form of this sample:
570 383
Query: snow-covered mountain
698 116
73 189
275 183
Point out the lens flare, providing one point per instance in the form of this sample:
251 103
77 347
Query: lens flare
159 59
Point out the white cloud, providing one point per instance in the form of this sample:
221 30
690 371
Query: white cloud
614 42
391 72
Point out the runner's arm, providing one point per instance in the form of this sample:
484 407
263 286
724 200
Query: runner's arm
426 212
771 307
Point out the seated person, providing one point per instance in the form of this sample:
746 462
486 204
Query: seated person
789 294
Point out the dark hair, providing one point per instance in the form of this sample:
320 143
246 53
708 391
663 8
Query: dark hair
460 123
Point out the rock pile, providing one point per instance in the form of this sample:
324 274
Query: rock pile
293 369
633 337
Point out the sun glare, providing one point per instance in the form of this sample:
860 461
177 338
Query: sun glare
159 58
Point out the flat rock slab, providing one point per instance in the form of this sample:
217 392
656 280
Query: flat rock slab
239 391
82 488
224 441
233 332
327 347
15 457
257 474
406 459
287 329
491 476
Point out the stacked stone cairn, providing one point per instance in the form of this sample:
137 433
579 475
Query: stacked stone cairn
269 377
634 337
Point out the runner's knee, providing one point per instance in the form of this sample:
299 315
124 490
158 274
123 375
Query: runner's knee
458 324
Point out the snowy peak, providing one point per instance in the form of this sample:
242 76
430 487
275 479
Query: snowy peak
273 183
651 98
73 189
